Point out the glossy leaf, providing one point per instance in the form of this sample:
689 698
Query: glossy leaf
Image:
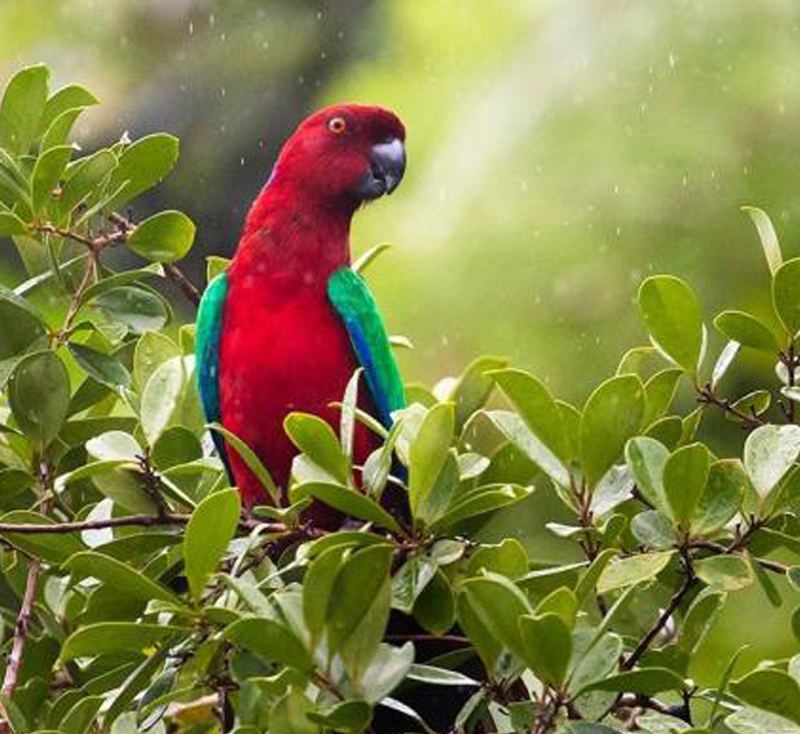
39 395
672 314
747 330
613 414
22 107
786 295
210 529
164 237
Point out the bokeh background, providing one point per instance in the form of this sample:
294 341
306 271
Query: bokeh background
559 151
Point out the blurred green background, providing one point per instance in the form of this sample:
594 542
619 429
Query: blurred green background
558 152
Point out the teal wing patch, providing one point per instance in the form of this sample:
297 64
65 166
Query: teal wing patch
208 334
350 296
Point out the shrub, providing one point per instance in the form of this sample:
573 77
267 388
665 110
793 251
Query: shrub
137 596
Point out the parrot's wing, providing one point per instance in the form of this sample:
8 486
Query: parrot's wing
350 296
208 335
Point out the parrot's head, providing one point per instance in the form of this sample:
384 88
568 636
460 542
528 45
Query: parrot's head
345 155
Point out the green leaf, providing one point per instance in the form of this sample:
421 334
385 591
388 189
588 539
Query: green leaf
726 358
67 98
126 277
747 330
316 439
472 389
647 681
47 174
613 414
106 370
11 225
317 588
39 395
108 637
724 573
481 501
499 604
515 430
647 458
161 398
480 635
752 404
435 607
659 393
439 676
22 107
22 325
699 617
653 529
85 175
633 570
152 350
210 530
588 582
289 715
120 576
271 640
139 309
250 459
143 165
357 620
767 236
548 646
673 318
80 718
349 717
771 690
721 498
769 453
508 558
165 237
749 720
428 453
685 476
51 547
58 131
786 295
348 501
536 406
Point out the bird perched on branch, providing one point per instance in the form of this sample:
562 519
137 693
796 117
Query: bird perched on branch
285 327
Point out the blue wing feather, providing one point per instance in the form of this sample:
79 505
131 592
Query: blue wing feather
354 303
208 334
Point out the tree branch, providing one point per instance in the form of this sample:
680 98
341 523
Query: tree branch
20 638
245 524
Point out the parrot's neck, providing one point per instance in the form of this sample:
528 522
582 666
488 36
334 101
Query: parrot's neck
288 235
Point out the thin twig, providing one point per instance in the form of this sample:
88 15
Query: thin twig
245 524
661 622
21 630
184 284
707 396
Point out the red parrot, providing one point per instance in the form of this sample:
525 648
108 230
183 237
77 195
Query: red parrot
285 327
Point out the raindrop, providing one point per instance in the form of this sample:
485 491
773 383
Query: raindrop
672 60
212 19
191 27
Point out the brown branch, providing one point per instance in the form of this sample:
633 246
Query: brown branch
245 524
707 396
661 622
20 638
184 284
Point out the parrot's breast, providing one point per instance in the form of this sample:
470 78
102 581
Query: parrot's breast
283 349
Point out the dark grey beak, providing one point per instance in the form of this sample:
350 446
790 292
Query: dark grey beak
387 162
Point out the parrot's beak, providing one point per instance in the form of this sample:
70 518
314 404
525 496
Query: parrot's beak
387 163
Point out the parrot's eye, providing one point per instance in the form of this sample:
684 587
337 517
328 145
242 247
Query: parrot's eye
337 125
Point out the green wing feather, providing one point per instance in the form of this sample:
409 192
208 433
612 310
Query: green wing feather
208 334
350 296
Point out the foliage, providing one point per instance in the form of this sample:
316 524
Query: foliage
137 596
